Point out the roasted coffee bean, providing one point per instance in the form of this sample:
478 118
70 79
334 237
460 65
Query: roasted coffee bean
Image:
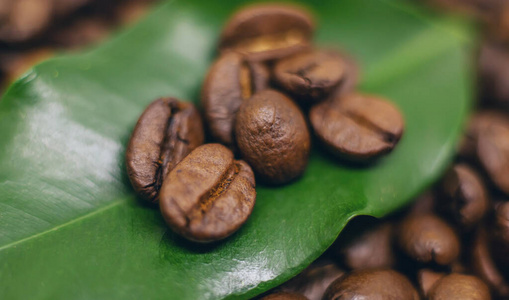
463 196
273 137
484 266
371 285
230 81
357 127
350 78
310 76
427 279
459 287
284 296
268 31
314 280
493 65
500 235
166 132
493 154
208 195
426 238
366 244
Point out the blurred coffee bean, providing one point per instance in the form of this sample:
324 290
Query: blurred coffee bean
314 280
371 285
366 243
463 196
481 9
310 76
493 154
500 235
267 31
273 137
428 239
18 63
493 69
81 32
427 278
229 82
424 204
284 296
350 79
478 124
459 287
357 127
484 266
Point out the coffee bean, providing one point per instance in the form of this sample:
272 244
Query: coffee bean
484 266
426 238
478 124
284 296
350 78
366 244
314 280
464 197
500 235
230 81
459 287
493 65
209 195
268 31
357 127
493 154
166 132
371 285
427 279
310 76
273 137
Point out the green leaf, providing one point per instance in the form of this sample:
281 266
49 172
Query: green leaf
70 225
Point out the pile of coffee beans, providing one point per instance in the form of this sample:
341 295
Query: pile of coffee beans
256 96
452 243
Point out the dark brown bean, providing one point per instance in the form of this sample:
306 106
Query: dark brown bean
166 132
500 235
350 78
284 296
371 285
426 238
427 279
493 70
230 81
273 137
484 266
366 244
357 127
268 31
493 154
209 195
464 197
314 280
310 76
459 287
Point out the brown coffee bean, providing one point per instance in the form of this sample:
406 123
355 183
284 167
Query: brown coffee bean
284 296
314 280
426 238
493 154
366 244
493 65
357 127
484 266
268 31
350 78
464 197
459 287
273 137
310 76
166 132
427 279
500 235
209 195
230 81
371 285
